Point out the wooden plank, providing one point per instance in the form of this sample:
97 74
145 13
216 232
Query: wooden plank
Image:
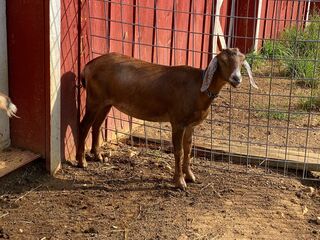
13 158
276 157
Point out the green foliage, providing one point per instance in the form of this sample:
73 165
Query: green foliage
298 49
310 104
273 115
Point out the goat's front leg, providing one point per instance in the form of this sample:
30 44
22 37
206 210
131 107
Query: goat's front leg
95 147
187 143
177 138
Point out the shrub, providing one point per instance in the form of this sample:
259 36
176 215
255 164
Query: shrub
310 104
299 50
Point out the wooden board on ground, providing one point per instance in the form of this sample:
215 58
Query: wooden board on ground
289 159
13 158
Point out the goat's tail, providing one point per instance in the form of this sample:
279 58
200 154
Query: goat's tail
8 106
12 109
82 78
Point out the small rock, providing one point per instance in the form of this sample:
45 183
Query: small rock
3 234
309 190
281 214
91 230
300 194
318 220
20 230
183 237
305 210
132 153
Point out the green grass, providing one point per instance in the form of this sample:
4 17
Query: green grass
273 115
298 50
294 54
310 104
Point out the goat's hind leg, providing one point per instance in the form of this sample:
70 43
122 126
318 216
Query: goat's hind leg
187 143
95 148
86 123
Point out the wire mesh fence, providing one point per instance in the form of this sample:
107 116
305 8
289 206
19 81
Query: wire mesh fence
276 126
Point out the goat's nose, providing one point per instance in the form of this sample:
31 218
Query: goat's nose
236 79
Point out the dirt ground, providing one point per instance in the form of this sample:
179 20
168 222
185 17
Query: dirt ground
131 197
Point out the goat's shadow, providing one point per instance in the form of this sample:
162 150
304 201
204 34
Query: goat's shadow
69 113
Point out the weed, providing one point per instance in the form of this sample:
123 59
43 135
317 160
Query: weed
276 115
298 49
310 104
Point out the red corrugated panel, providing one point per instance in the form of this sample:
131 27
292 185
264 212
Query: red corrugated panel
69 69
207 38
121 41
225 16
288 14
180 37
121 26
315 6
244 24
163 32
97 26
282 16
144 20
195 35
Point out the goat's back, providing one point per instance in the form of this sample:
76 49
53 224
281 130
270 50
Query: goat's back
141 89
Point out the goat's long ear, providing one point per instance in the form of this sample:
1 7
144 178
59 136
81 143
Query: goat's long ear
208 76
252 82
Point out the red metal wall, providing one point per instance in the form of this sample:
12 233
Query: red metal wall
28 60
278 15
144 29
69 71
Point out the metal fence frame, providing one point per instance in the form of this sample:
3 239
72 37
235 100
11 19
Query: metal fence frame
118 124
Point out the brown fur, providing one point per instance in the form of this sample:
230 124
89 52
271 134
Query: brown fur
154 93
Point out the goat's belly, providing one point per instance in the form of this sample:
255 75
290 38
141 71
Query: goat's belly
143 113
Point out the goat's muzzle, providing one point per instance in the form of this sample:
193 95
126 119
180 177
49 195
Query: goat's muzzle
235 81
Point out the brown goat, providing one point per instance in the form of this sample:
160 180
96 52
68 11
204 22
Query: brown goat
7 105
180 95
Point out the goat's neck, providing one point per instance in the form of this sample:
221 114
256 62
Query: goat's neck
216 85
215 88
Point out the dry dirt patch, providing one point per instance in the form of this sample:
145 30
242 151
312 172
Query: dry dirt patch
131 197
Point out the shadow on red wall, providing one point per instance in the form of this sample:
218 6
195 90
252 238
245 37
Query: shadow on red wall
69 111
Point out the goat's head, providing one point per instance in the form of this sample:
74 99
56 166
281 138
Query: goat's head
229 62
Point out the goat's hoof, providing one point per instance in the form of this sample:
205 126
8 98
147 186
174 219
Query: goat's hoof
180 183
189 177
98 157
82 164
